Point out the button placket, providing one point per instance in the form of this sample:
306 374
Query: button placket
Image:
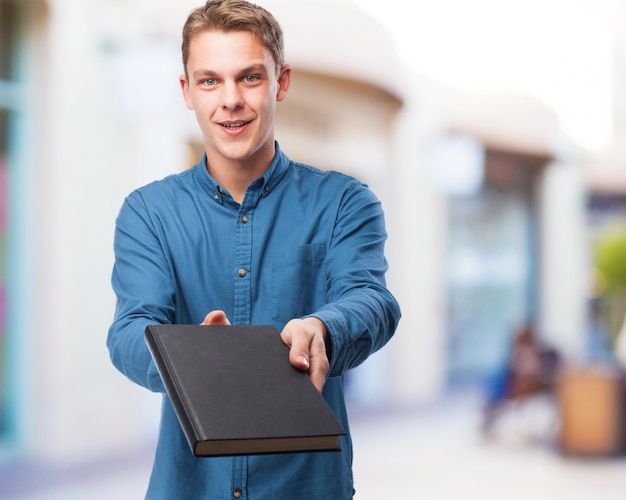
243 261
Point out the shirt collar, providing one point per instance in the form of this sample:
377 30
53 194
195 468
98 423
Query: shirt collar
266 182
276 170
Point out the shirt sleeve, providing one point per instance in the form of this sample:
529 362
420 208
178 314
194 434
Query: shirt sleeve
142 282
361 315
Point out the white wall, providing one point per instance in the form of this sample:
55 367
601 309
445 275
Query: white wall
75 404
417 230
565 264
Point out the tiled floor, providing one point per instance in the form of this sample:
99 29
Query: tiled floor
439 455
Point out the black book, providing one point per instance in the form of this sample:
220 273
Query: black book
235 392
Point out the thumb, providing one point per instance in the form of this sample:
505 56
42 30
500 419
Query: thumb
216 318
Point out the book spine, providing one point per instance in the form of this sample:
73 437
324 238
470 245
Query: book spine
173 388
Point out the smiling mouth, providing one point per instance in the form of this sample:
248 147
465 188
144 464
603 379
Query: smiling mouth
234 126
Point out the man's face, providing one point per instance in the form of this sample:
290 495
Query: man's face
233 88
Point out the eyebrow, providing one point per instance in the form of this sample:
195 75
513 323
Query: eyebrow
199 73
255 68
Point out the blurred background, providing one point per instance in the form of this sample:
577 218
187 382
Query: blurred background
494 132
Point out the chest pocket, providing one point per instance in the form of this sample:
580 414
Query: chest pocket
298 282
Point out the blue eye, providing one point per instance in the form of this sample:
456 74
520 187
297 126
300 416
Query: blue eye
251 78
209 82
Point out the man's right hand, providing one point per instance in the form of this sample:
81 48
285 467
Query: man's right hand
216 318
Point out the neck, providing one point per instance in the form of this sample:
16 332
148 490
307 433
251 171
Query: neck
236 176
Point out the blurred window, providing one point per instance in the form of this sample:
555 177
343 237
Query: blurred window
9 22
491 266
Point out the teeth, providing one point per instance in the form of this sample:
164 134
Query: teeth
234 125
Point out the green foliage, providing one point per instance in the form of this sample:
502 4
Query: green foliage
610 258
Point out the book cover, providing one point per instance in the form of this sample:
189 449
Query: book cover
235 392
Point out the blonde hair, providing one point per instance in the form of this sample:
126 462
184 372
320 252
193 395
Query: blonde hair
235 15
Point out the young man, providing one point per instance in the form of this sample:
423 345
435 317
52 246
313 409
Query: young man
248 236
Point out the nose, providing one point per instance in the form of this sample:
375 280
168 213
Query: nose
232 97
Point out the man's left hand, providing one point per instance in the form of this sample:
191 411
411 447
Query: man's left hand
307 339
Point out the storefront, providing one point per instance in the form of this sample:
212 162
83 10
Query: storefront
496 267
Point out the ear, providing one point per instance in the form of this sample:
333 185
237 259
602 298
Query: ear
184 86
284 80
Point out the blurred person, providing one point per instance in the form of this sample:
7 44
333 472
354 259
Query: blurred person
249 236
529 369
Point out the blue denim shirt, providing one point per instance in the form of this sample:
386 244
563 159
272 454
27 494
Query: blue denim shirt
302 243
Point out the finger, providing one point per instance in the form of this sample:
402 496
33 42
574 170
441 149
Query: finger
319 365
299 352
309 355
216 317
318 376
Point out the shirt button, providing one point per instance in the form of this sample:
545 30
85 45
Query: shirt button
267 188
237 493
244 218
241 272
